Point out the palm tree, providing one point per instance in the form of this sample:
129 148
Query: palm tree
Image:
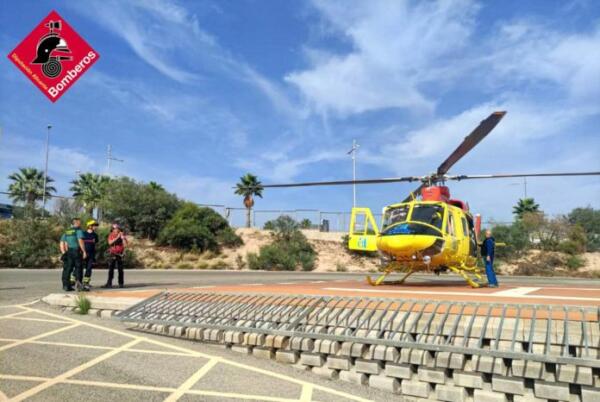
524 206
28 186
89 189
248 187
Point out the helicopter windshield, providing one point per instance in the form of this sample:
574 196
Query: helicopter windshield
395 215
427 213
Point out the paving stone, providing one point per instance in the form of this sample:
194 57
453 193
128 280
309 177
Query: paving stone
382 352
339 363
368 366
264 353
105 314
233 337
574 374
528 397
527 369
353 349
385 383
213 335
416 356
312 359
449 360
191 333
254 339
287 356
437 376
325 372
242 349
508 385
277 341
403 371
353 377
489 396
326 346
551 390
450 393
489 364
303 344
469 380
590 394
416 388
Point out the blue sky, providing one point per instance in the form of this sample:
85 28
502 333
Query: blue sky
195 94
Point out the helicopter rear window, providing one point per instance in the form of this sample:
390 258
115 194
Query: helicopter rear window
430 214
395 215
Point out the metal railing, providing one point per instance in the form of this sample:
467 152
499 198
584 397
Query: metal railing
544 333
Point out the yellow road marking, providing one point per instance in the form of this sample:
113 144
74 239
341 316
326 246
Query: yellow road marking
194 378
72 372
34 338
33 319
240 396
22 377
186 352
307 391
13 314
88 383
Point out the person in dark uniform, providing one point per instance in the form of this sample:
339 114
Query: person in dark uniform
72 250
116 249
488 248
90 239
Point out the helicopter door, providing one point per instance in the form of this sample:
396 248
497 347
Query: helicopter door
363 230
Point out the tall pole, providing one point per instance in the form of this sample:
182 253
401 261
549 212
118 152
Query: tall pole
109 158
352 152
525 186
46 170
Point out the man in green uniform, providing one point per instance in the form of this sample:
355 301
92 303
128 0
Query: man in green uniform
73 252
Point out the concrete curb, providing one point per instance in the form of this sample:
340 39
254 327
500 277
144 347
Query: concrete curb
99 303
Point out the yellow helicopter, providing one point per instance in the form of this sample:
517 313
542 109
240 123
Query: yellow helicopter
432 234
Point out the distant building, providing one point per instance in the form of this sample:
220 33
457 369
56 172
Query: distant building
6 211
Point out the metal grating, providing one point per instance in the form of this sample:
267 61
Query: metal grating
545 333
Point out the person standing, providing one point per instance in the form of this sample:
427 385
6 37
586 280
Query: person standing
73 251
488 248
116 249
90 239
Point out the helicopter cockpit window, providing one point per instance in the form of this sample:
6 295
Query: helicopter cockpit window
430 214
395 215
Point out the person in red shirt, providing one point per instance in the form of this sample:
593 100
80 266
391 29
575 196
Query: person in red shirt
116 249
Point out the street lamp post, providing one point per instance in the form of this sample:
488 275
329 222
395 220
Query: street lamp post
46 171
352 152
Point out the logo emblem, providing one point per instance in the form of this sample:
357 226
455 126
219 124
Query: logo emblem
53 56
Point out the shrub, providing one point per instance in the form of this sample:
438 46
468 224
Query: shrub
193 227
239 262
289 251
570 247
574 262
29 243
144 208
589 220
340 267
305 223
83 304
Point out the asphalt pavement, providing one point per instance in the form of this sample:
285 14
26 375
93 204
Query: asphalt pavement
26 285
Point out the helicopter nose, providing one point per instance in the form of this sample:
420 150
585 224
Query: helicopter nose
405 245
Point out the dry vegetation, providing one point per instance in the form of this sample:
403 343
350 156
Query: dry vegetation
333 257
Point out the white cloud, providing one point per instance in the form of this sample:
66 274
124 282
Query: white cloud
170 39
397 47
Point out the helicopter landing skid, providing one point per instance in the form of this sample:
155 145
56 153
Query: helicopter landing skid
464 271
381 278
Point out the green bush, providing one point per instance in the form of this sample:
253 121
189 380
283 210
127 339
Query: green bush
589 220
516 238
196 228
289 251
83 304
574 262
29 243
143 208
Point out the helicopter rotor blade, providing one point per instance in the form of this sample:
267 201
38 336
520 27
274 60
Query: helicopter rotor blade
345 182
478 134
415 192
511 175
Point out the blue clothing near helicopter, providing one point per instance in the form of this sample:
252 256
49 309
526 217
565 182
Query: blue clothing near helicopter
488 247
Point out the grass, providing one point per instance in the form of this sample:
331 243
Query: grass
83 304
